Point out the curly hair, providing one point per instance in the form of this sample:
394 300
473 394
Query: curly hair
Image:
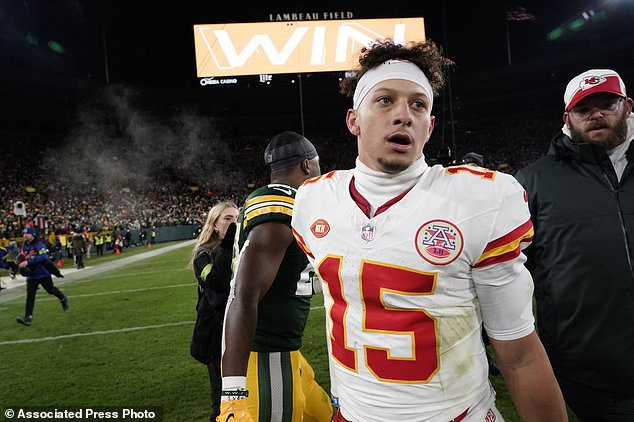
426 55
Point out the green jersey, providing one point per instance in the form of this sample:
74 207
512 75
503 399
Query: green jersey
283 311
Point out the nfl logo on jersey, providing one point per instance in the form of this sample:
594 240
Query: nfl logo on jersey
367 232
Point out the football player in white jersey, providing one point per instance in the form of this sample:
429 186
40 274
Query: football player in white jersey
414 259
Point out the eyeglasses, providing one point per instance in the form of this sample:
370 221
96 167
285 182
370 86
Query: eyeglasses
605 107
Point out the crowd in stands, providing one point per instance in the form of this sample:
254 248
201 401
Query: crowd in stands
66 207
166 198
508 144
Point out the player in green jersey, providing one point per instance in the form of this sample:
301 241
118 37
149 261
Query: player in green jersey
265 377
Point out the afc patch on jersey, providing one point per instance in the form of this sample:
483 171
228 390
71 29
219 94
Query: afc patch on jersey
439 242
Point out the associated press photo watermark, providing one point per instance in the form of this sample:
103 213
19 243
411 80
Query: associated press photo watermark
123 413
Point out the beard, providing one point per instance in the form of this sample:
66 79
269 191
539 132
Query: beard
614 138
392 167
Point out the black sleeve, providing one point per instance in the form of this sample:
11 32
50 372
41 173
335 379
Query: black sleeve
221 271
222 260
200 263
214 273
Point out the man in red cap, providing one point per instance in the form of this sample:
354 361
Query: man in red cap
581 197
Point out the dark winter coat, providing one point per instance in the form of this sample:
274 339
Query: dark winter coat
582 263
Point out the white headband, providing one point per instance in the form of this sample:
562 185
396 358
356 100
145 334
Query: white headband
391 69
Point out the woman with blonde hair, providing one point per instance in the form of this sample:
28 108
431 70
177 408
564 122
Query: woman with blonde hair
211 264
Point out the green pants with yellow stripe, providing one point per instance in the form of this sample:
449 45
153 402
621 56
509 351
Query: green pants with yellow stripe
282 388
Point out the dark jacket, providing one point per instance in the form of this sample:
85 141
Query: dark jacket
36 254
213 273
581 262
79 244
214 285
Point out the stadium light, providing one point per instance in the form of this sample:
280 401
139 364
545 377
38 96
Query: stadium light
587 15
56 47
577 23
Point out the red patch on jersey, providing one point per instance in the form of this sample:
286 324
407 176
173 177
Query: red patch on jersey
320 228
525 196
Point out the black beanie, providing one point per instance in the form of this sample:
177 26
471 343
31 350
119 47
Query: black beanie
287 149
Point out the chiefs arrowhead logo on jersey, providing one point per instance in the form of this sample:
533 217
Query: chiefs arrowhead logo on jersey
320 228
439 242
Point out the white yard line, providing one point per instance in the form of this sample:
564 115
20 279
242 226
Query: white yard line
97 333
83 275
116 331
94 333
15 288
140 273
114 292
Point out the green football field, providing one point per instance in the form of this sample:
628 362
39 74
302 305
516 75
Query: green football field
124 343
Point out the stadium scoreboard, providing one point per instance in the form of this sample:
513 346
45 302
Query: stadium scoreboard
237 49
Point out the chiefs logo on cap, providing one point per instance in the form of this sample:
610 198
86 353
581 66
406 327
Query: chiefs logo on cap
320 228
439 242
591 81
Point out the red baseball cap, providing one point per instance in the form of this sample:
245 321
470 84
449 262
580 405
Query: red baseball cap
590 82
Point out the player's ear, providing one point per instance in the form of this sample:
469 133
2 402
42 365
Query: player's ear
305 166
352 120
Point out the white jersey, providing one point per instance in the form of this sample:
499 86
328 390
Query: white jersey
404 290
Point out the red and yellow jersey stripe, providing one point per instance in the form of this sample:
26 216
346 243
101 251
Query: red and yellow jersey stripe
507 247
302 244
315 179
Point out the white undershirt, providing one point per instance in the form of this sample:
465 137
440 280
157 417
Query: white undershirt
378 187
617 155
